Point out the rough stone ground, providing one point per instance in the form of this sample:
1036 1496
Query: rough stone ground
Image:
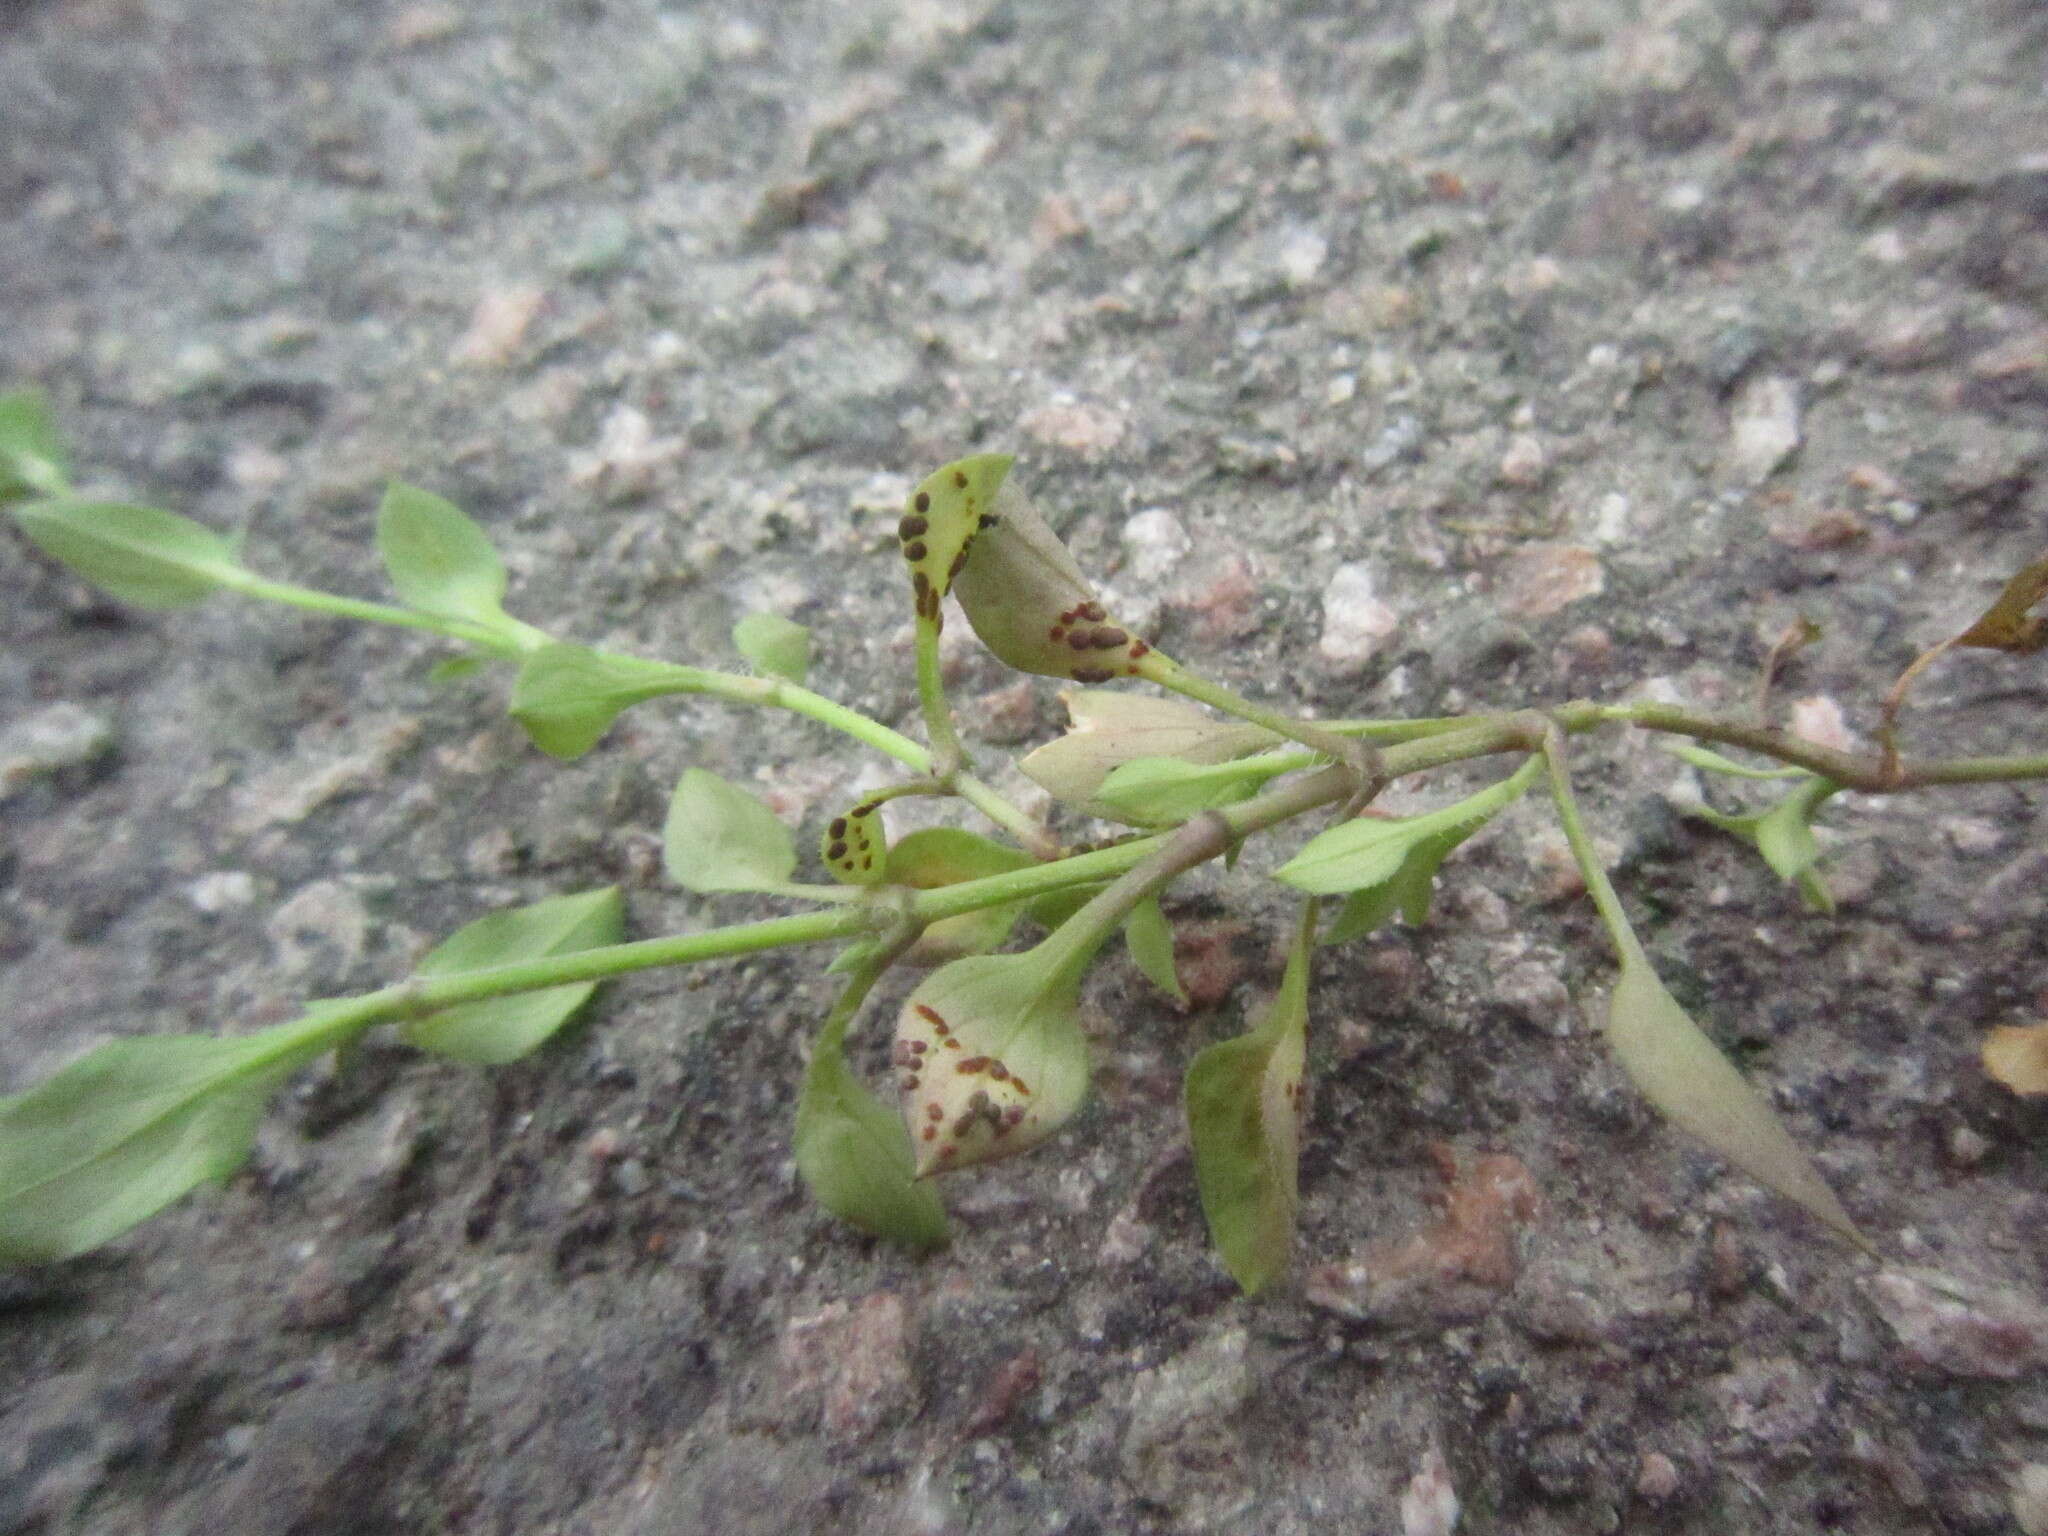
1387 358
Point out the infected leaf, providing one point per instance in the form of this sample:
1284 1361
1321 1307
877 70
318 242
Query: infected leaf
854 846
1031 605
990 1057
1244 1106
502 1029
720 838
946 512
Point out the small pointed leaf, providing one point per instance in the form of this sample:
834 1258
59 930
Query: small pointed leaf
566 696
1783 835
855 1156
720 838
502 1029
439 560
141 555
775 646
1149 937
1679 1070
32 459
1244 1105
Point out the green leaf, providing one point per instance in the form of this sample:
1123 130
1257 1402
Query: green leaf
855 1156
568 695
936 856
1112 729
1783 835
1165 791
1409 892
32 459
1714 762
438 559
501 1029
141 555
1678 1069
720 838
775 646
1149 937
453 668
118 1135
1366 853
1243 1101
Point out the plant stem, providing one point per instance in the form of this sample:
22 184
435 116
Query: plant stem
497 642
1865 774
1598 886
777 693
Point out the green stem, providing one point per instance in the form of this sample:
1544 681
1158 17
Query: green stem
1598 886
776 693
497 642
931 692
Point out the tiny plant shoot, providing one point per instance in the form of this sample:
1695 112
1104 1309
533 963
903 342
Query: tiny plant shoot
1004 916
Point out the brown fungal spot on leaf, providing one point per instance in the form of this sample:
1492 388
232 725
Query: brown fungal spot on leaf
912 527
915 551
924 501
931 1016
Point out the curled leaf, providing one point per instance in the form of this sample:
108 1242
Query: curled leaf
141 555
2017 1056
854 846
502 1029
1113 729
1709 761
990 1057
1679 1070
567 696
774 645
1030 604
2006 624
720 838
945 513
1244 1106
